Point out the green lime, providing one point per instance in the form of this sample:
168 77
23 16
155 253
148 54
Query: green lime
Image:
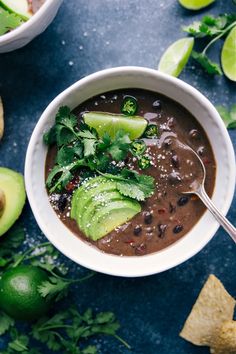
19 296
111 123
228 55
176 56
195 4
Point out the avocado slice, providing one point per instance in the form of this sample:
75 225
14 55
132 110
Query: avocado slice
12 198
92 206
86 192
113 215
17 7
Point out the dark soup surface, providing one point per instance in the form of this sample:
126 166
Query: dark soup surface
117 166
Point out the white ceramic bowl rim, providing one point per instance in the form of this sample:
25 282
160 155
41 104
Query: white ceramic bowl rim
90 257
8 37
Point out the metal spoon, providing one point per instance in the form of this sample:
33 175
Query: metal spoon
197 187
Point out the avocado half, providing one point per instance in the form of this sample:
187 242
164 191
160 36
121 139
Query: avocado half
12 198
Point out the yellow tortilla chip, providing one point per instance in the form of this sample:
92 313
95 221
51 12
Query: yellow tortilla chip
225 340
213 307
1 119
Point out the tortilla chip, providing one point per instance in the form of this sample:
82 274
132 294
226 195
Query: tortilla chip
213 307
1 119
225 340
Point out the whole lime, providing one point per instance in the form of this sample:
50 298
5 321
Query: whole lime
19 295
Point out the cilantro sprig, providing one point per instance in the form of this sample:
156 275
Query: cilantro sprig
67 331
132 184
213 28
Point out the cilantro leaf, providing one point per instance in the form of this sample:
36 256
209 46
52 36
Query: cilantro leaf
209 66
6 322
119 147
132 184
8 21
228 116
55 288
20 344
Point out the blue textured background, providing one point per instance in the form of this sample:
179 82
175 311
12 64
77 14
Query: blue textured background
86 36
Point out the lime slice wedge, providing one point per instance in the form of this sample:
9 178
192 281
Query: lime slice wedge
195 4
176 56
228 55
111 123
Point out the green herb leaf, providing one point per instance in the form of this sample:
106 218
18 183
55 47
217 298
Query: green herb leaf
132 184
6 322
8 21
229 117
210 66
119 147
55 288
20 344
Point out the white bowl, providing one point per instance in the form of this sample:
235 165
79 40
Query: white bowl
78 250
23 34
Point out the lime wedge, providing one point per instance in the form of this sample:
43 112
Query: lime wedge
228 55
195 4
176 56
111 123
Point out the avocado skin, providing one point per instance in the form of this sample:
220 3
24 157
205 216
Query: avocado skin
12 185
98 207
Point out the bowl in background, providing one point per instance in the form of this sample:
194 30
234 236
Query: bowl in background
23 34
89 256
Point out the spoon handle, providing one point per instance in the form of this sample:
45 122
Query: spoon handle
229 228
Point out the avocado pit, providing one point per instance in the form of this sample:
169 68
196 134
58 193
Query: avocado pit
2 202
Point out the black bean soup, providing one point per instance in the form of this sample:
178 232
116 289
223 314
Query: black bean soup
168 214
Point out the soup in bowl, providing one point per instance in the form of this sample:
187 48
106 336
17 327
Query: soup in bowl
106 168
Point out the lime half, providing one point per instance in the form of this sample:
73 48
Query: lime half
228 55
176 56
195 4
111 123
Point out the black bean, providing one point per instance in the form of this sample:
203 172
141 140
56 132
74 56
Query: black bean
175 161
62 202
174 177
183 200
157 104
201 151
178 228
172 208
148 218
194 134
141 249
161 228
137 230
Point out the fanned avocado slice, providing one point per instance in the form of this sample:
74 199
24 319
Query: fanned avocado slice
100 200
113 215
12 198
87 191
